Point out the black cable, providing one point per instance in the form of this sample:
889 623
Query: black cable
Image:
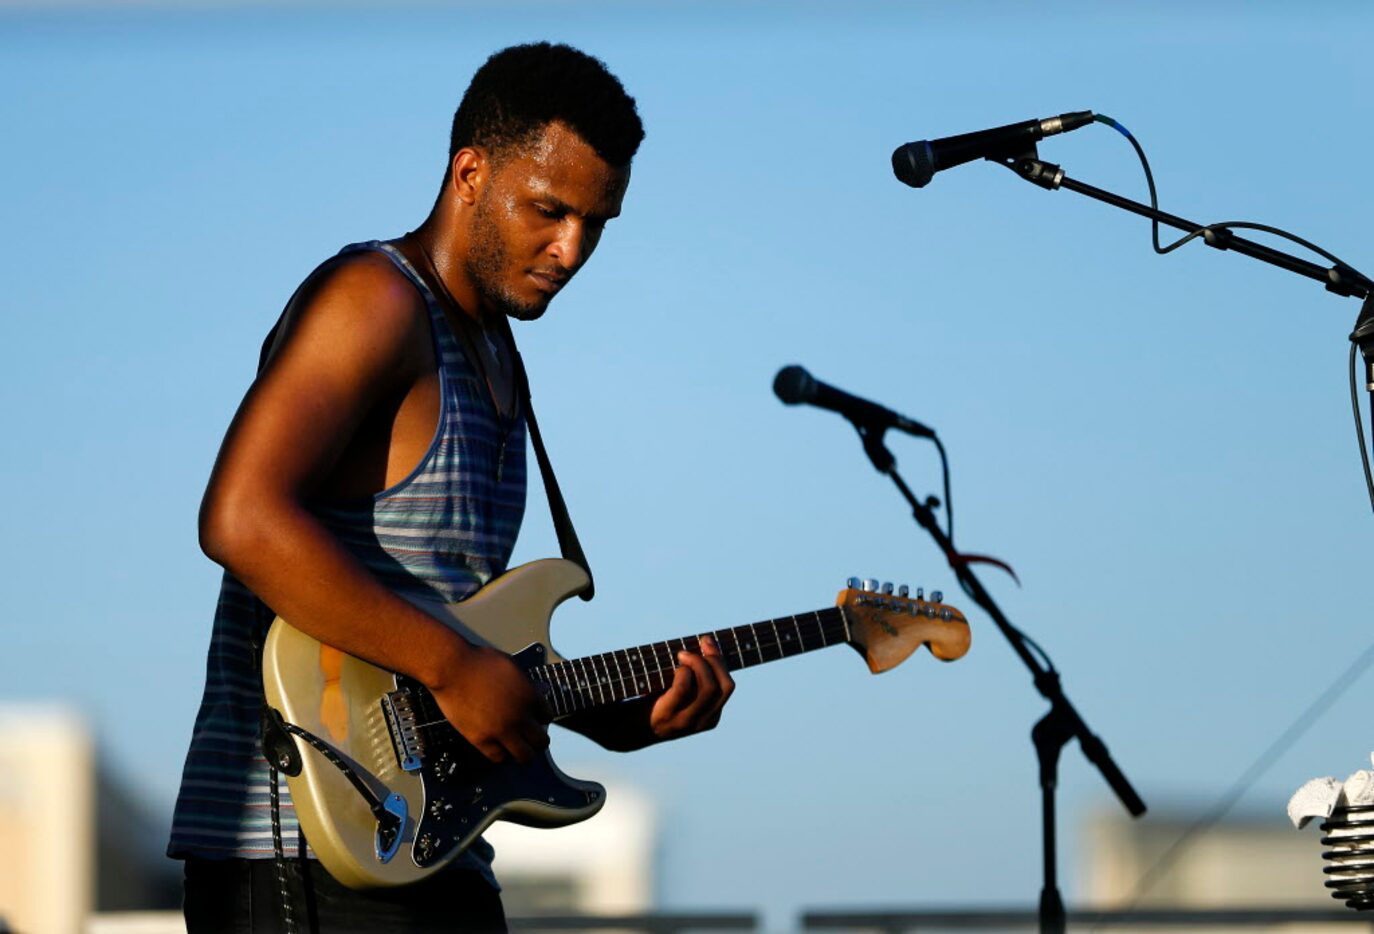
963 585
1202 231
949 502
1359 428
283 890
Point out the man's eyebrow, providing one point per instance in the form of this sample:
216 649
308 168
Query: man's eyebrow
558 204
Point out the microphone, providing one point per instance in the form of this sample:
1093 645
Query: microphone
916 163
794 386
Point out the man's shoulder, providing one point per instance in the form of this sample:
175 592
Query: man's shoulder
364 281
360 296
362 291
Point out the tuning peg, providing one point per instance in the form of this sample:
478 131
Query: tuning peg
903 590
936 596
853 583
887 587
870 584
920 593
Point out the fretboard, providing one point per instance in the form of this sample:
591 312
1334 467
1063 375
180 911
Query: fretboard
582 683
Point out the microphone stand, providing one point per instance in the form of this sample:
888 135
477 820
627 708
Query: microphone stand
1054 730
1338 278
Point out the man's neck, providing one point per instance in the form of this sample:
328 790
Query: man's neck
444 245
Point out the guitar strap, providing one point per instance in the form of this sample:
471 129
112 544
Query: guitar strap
568 543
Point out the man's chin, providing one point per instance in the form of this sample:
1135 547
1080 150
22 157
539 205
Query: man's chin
520 310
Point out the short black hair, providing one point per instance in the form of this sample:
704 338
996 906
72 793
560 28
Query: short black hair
522 89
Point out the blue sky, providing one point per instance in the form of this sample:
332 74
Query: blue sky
1161 446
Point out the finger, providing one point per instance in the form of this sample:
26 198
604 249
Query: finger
707 690
520 750
666 713
493 750
683 688
726 685
541 708
536 736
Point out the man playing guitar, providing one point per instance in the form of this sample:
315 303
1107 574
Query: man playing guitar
380 454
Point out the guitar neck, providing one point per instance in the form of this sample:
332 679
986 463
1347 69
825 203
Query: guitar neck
594 680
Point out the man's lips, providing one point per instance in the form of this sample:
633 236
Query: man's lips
548 282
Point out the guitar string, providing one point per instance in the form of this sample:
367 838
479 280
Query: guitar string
580 690
577 693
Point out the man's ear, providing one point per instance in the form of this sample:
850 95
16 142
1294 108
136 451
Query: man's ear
468 172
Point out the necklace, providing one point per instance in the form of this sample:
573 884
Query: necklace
467 325
463 316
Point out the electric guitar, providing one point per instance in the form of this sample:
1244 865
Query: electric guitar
387 791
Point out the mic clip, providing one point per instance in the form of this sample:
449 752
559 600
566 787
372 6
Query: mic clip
1028 165
871 434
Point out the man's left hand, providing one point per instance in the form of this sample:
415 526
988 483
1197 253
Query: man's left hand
693 702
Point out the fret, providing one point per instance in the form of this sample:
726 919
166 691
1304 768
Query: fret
777 639
749 644
553 695
626 673
652 673
844 618
642 677
667 663
599 675
729 647
581 676
560 683
575 697
791 640
612 675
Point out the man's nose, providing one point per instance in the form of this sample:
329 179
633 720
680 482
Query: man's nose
570 247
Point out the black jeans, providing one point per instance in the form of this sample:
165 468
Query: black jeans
241 896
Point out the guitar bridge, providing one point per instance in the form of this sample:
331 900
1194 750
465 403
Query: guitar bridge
399 709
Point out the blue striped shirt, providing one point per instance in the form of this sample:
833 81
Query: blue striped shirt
442 532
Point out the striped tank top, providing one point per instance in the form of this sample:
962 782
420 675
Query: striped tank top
440 533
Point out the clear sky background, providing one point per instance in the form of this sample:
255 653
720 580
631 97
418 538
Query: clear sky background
1163 447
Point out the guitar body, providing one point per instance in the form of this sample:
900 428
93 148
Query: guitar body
444 792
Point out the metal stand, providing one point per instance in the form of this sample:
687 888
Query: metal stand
1339 279
1056 728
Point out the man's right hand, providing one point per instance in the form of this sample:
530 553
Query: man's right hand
492 703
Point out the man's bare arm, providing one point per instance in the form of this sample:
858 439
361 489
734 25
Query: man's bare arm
356 342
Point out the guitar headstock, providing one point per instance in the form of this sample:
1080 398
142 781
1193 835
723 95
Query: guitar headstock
885 626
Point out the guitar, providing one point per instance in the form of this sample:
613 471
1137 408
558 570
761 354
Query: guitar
432 793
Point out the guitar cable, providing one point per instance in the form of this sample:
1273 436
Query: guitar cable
282 754
279 855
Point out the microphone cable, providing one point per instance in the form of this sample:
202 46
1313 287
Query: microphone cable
1225 227
1223 805
954 554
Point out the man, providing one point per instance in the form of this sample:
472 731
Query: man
380 452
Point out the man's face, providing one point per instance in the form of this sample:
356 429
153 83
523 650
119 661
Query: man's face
537 219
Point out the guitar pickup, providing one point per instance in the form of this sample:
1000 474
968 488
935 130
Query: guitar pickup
401 723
